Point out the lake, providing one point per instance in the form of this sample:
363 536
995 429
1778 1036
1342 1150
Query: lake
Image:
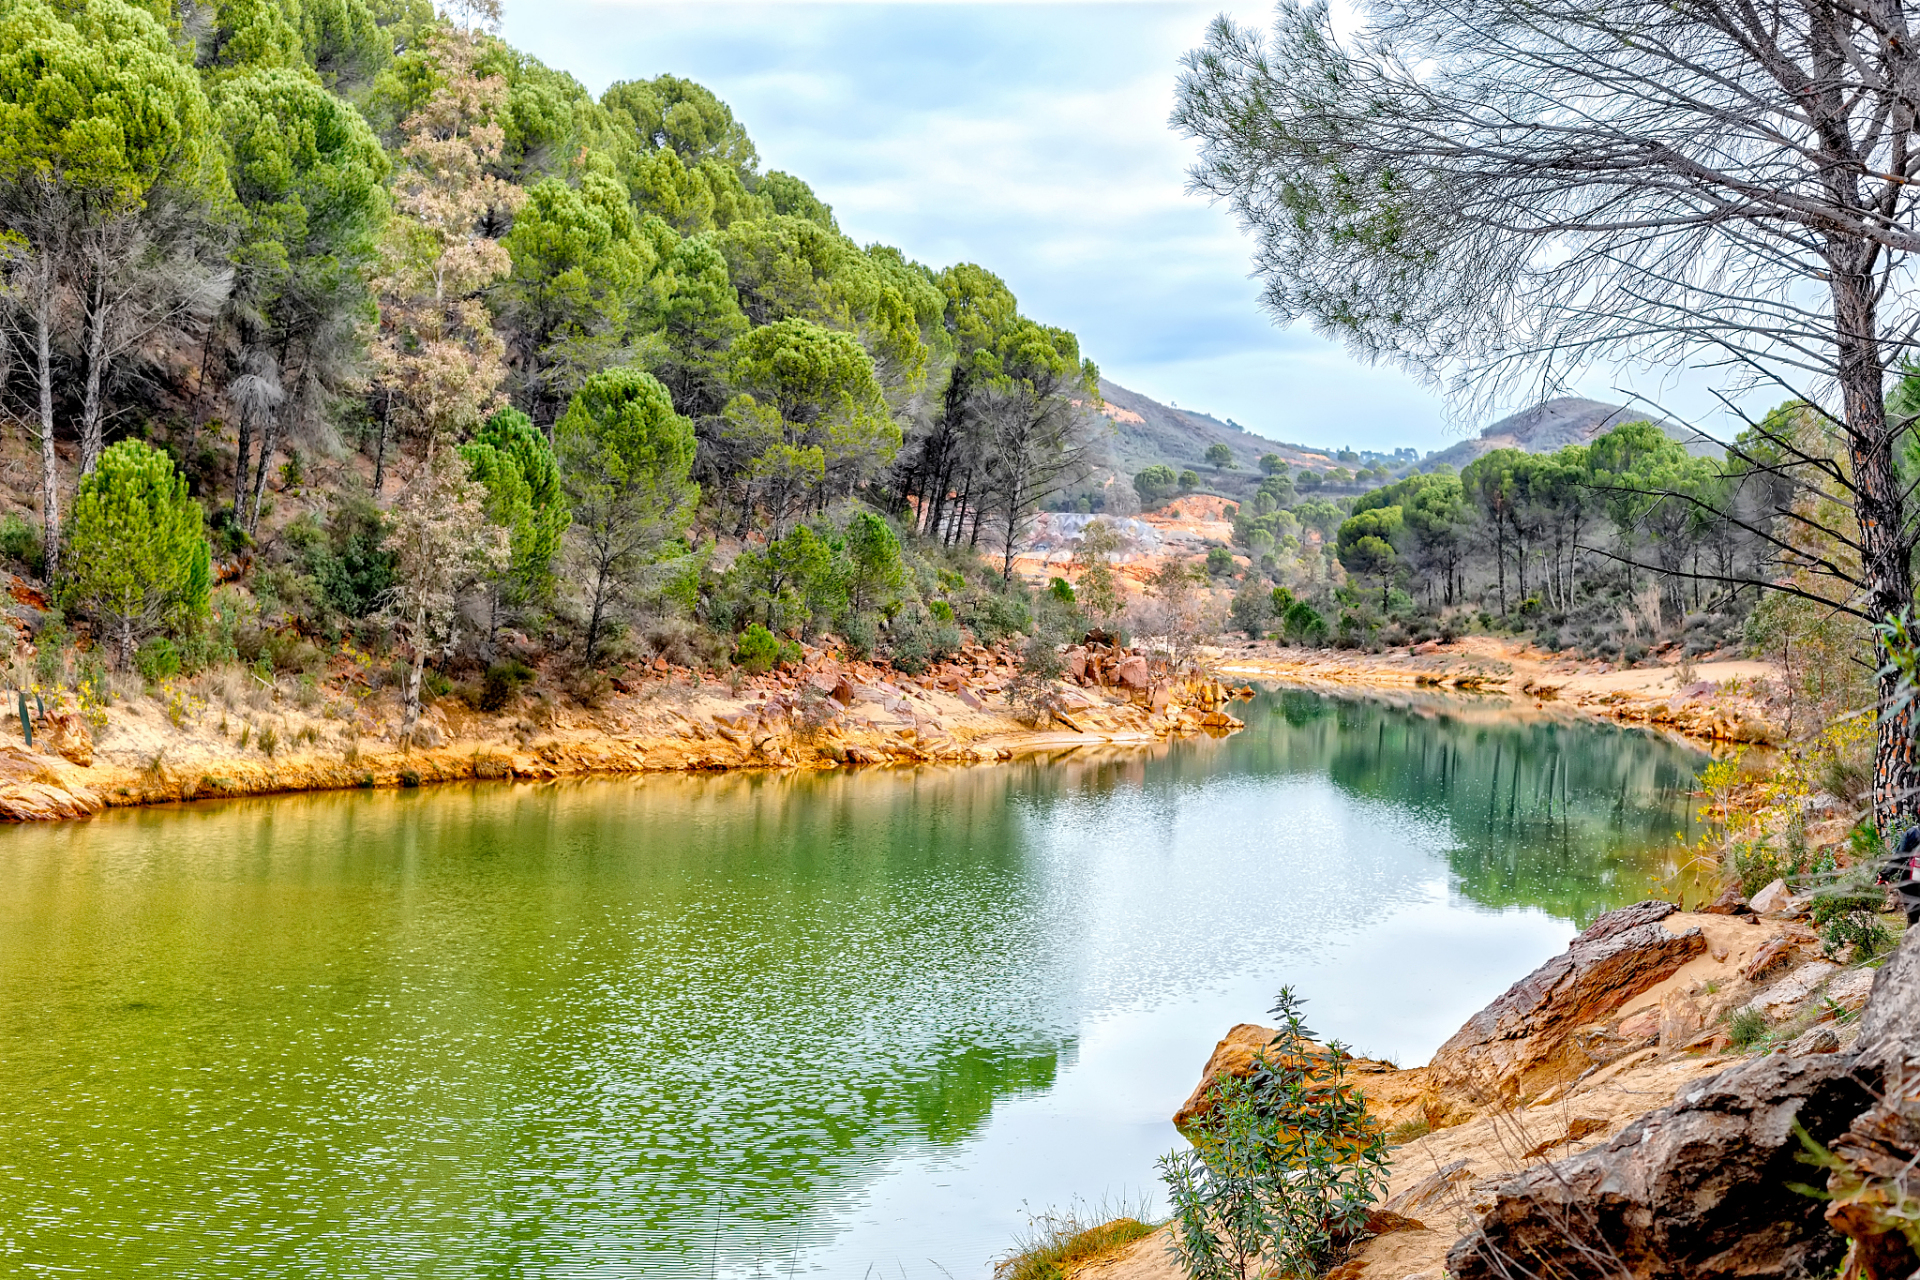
753 1024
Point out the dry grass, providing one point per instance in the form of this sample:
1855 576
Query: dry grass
1056 1241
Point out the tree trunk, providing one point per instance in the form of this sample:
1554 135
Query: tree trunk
380 448
241 469
1886 551
598 612
269 440
92 430
411 719
49 459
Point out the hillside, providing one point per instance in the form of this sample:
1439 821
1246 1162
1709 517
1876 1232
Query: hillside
1146 431
1555 424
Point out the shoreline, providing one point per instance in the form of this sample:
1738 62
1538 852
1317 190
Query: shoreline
175 744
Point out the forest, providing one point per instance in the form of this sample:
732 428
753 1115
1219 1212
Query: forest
1614 548
341 325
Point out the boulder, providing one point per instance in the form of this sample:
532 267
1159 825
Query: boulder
1788 994
1775 897
843 692
1700 1189
1233 1056
1729 903
1812 1040
1706 1188
1525 1041
1877 1179
66 735
1775 953
1132 674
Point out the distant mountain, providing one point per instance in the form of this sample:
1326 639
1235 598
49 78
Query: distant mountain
1146 431
1555 424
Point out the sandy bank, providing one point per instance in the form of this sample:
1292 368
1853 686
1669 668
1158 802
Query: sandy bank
191 741
1721 700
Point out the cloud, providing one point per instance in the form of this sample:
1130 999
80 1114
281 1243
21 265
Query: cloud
1031 139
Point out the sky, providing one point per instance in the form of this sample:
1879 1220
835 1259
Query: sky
1029 138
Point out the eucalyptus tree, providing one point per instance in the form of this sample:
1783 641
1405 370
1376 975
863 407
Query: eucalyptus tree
1506 188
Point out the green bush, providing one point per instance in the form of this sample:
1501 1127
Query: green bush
921 638
1283 1168
1847 913
1219 561
503 683
137 559
157 660
756 651
20 543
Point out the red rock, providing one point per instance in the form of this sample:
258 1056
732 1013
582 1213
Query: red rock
1132 673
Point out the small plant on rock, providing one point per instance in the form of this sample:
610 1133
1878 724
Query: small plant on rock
1847 913
1746 1027
1283 1167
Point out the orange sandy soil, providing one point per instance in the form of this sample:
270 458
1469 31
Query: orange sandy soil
204 737
1726 700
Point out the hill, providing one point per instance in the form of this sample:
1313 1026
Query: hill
1555 424
1146 431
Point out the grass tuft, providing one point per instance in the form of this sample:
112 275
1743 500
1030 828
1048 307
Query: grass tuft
1055 1241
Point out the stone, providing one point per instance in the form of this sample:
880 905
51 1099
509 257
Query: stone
1813 1040
968 699
1444 1184
1775 953
1785 996
1880 1151
1849 991
1772 898
843 692
66 735
1076 660
1641 1026
1729 903
1699 1189
1233 1056
1132 673
1525 1041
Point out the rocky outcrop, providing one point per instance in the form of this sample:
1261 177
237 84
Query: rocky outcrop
1875 1183
1710 1186
1529 1039
1702 1189
1233 1058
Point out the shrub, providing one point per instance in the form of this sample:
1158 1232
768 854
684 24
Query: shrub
1219 561
1746 1027
1847 913
1283 1168
756 651
137 557
920 639
157 660
20 543
503 683
1056 1241
1032 693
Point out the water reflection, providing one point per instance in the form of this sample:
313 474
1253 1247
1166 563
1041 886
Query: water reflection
679 1026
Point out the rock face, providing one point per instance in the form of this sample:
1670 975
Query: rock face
1702 1189
1526 1041
1699 1189
1875 1188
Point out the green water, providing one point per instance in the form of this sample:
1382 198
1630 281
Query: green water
749 1025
